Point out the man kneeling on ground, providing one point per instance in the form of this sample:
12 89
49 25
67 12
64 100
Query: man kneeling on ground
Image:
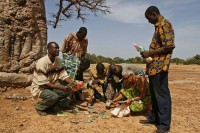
47 74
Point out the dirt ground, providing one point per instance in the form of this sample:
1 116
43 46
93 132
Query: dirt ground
19 116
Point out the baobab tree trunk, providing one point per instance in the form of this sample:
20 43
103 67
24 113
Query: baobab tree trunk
23 37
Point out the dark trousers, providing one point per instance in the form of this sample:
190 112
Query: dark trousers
117 86
51 97
161 101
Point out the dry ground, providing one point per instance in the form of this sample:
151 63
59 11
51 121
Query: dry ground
20 116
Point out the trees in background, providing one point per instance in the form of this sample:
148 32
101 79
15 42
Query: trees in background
138 60
116 60
193 60
177 61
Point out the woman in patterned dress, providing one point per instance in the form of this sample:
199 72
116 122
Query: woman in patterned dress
135 91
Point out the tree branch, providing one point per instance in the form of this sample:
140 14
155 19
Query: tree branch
69 8
58 13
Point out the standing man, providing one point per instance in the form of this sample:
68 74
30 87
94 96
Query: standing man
47 74
76 43
160 50
74 49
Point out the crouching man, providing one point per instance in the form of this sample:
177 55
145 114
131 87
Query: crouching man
47 74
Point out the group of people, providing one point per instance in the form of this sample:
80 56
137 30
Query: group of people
124 86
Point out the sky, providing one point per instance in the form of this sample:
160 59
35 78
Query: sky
113 35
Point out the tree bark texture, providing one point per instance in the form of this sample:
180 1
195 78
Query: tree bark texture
23 38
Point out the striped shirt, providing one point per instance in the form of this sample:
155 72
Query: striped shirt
47 72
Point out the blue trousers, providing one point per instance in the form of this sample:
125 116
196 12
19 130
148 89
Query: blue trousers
161 101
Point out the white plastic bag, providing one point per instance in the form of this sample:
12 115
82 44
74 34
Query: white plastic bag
121 110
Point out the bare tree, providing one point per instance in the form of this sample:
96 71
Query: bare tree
79 8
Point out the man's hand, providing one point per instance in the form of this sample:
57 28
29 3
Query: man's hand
145 54
74 88
162 50
66 88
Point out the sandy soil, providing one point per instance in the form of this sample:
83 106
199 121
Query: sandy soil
20 116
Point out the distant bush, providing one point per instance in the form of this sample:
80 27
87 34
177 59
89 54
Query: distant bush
177 61
193 60
138 60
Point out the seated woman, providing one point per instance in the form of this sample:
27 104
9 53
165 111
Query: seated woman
136 92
